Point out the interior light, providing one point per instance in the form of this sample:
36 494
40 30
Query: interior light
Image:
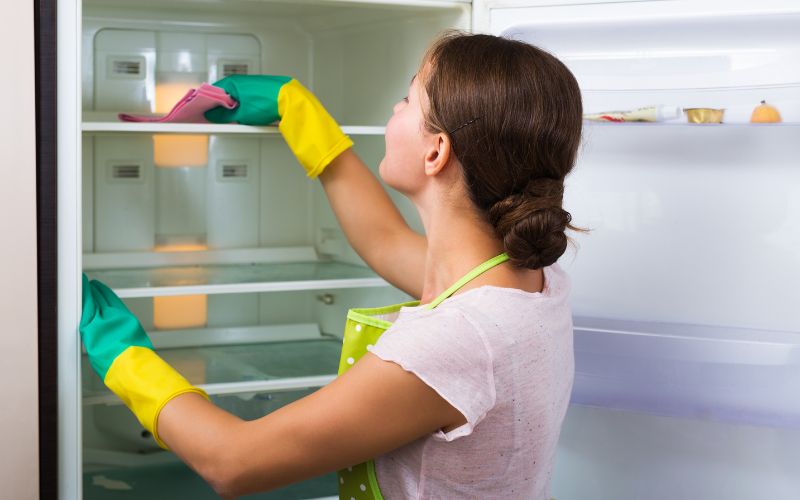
183 311
180 150
183 247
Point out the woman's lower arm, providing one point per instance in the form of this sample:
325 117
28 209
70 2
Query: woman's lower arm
359 202
238 457
204 436
370 220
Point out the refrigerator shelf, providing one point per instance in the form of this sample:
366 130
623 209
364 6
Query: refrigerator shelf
244 390
96 123
307 13
240 370
240 278
738 375
111 127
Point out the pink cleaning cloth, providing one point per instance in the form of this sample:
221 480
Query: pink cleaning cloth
191 108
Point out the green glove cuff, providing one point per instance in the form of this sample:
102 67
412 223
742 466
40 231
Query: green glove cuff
146 383
257 96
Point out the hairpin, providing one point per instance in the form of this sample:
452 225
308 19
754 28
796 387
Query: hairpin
464 125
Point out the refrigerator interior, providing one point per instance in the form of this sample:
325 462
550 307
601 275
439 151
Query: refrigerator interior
687 347
686 341
211 234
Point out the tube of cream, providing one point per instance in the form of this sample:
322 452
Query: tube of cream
646 114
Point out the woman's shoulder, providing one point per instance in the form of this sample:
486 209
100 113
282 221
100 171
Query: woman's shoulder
488 309
554 291
502 311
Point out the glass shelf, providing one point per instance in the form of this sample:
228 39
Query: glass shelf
103 122
240 373
307 13
718 373
241 278
108 126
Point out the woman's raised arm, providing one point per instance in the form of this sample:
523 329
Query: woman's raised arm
373 224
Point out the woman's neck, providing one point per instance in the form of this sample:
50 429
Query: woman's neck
457 242
458 239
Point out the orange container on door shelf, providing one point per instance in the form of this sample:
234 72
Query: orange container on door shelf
765 113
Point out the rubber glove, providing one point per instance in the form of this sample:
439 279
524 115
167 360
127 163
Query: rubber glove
311 133
122 354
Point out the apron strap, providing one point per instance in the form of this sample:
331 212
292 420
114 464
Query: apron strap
477 271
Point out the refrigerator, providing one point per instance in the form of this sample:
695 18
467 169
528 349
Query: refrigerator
687 339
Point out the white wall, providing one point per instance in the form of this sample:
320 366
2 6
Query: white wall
19 455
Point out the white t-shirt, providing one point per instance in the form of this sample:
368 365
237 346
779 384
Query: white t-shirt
503 357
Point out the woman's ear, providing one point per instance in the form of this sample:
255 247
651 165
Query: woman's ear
437 155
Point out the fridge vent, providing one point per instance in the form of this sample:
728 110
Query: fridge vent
229 69
238 171
126 172
127 68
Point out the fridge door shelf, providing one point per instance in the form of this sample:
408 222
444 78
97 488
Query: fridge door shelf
106 123
687 54
239 278
738 102
241 369
708 372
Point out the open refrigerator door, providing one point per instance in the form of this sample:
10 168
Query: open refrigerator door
686 341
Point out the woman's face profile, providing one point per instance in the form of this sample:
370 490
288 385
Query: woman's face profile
402 167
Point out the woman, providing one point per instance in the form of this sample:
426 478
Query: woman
465 393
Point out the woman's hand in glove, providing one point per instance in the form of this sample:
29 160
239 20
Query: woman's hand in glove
122 354
311 133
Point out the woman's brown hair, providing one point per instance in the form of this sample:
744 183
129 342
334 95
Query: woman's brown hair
513 114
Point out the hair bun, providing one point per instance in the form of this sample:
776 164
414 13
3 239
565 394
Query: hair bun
531 224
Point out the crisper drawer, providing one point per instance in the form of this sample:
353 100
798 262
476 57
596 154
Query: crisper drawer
138 469
152 474
249 372
176 481
708 372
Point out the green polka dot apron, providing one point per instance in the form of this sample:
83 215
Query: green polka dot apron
362 331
